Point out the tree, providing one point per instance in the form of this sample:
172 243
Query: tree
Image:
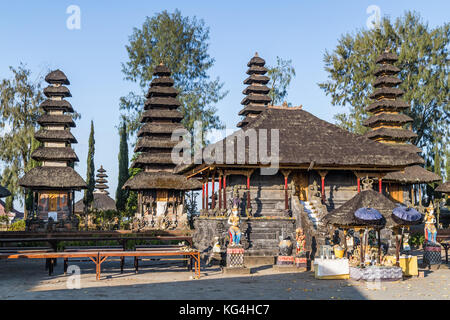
20 97
122 195
90 174
423 59
181 44
280 78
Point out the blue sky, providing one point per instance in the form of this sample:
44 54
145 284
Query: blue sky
35 32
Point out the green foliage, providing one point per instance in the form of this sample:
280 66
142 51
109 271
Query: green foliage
4 219
20 97
19 225
191 203
181 43
423 59
280 78
90 171
132 201
416 239
122 195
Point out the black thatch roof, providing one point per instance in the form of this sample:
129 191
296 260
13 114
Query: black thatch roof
52 178
386 92
407 147
306 139
393 133
54 153
61 91
387 118
147 142
57 77
256 99
62 119
412 174
386 69
386 80
387 57
152 114
4 192
444 188
388 105
344 215
55 135
50 104
161 180
155 127
101 202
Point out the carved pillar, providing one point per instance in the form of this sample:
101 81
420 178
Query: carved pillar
249 206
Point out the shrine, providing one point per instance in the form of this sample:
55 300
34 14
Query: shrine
54 182
319 167
388 123
161 193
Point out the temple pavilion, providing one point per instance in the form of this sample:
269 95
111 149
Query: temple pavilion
318 168
160 191
102 201
53 183
389 126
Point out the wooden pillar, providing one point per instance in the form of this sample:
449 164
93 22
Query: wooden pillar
361 246
379 245
322 176
380 185
203 195
220 192
225 192
345 243
358 181
213 195
207 194
286 174
248 193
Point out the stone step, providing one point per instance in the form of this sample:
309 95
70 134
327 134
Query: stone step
261 252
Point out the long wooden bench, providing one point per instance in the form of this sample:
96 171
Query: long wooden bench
161 247
101 256
91 249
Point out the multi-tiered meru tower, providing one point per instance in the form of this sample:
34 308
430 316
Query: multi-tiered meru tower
256 94
160 191
389 126
53 183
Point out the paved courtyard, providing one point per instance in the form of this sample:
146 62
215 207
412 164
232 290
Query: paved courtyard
27 279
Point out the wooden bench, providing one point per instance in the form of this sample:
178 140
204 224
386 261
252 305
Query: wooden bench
161 247
91 249
25 249
101 256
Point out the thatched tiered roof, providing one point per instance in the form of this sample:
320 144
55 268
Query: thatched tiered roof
55 151
444 188
102 201
160 119
101 182
256 99
344 216
309 142
4 192
387 121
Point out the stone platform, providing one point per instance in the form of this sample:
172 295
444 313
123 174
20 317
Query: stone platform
236 270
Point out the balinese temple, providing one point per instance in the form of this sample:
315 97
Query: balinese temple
160 191
54 182
102 201
318 167
256 98
389 126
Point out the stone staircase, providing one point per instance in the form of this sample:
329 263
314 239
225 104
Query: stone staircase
273 207
312 212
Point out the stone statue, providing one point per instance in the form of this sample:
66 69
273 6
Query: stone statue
301 242
234 231
430 228
236 201
315 193
216 247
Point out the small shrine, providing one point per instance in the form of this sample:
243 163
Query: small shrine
102 201
389 123
161 192
53 183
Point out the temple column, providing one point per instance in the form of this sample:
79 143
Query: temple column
225 191
322 176
380 185
203 195
286 174
207 194
220 191
213 196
